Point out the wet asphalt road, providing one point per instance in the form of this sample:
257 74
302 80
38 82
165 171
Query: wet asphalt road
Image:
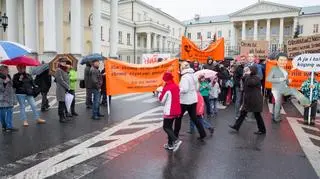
224 155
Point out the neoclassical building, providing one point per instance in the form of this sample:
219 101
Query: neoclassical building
263 20
82 27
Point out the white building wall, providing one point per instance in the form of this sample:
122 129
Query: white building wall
307 22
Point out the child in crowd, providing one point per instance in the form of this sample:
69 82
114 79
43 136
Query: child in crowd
170 97
204 90
213 96
305 89
200 115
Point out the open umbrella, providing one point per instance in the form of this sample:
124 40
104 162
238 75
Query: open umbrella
206 73
92 57
39 69
10 50
23 60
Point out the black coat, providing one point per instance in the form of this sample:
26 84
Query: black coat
23 86
252 99
44 81
238 75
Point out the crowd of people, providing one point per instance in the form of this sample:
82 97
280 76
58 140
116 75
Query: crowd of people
23 88
240 82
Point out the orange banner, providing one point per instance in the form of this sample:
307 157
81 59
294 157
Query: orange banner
190 51
122 77
296 77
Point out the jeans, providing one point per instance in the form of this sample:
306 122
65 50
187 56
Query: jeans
167 127
73 101
204 122
96 103
30 99
45 101
6 117
207 102
258 117
286 92
192 111
213 104
89 97
238 100
313 111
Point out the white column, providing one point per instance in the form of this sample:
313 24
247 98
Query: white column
165 43
160 43
233 36
20 21
295 23
96 26
281 31
114 29
11 10
30 24
49 26
75 35
154 41
59 26
243 30
148 41
255 30
268 30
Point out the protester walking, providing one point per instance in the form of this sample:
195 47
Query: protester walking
252 101
25 86
94 86
237 77
170 97
87 79
305 89
62 80
7 100
188 99
72 83
213 96
224 77
44 80
204 90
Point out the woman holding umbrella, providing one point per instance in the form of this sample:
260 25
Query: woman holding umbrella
24 85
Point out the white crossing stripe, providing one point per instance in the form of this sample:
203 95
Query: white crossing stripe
152 100
138 97
124 96
270 106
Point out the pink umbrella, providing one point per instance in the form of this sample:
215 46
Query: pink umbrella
206 73
23 60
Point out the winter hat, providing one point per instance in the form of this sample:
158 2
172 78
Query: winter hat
167 77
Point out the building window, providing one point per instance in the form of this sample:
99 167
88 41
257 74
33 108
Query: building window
128 59
287 30
145 16
229 33
219 33
315 28
300 29
139 17
120 37
139 60
261 30
101 34
139 41
173 32
128 39
109 35
275 30
189 35
199 35
208 35
179 32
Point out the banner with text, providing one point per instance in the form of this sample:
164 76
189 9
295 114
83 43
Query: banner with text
154 58
122 77
296 76
190 51
303 45
257 47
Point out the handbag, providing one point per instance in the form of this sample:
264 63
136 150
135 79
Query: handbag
82 84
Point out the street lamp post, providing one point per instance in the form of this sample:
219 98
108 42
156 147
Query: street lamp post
4 21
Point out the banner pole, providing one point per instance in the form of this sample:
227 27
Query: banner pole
311 91
108 103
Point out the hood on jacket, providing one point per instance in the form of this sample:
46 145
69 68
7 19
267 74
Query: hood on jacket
188 70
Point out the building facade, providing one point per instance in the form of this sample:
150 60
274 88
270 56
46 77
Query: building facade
263 20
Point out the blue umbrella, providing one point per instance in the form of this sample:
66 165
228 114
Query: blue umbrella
10 50
92 57
39 69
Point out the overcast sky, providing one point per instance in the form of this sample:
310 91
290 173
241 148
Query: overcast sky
186 9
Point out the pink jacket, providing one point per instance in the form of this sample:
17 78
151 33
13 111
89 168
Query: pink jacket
170 97
200 105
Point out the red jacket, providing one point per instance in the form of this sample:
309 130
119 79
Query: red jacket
170 97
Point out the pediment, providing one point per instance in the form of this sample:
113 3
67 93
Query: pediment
265 7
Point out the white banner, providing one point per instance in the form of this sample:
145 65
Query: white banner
154 58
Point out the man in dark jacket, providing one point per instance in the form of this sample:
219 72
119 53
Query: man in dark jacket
236 79
211 65
43 80
86 82
94 85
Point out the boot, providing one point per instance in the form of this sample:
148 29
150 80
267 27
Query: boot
62 119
